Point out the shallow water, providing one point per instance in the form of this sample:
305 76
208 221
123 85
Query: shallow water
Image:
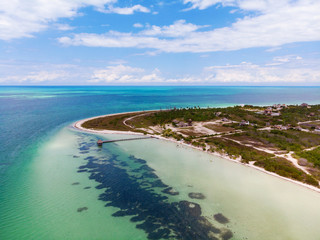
77 190
259 206
55 182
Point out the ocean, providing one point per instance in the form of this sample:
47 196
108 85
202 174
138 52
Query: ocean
56 184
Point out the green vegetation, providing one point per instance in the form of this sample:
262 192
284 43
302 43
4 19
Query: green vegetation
236 137
235 149
290 140
312 156
141 121
286 169
294 114
262 159
196 114
110 122
170 133
219 128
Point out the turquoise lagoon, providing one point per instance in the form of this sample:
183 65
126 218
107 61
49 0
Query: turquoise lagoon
55 183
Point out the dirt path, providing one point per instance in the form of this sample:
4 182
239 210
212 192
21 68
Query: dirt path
287 156
130 118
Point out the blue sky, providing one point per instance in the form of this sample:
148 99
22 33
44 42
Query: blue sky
182 42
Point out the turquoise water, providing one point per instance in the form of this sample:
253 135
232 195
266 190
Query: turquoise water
48 171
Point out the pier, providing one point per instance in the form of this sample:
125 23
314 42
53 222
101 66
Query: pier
100 142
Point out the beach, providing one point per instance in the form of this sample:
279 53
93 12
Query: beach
78 125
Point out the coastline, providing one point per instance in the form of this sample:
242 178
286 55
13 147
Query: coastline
78 125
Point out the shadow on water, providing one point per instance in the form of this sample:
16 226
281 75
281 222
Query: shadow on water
134 188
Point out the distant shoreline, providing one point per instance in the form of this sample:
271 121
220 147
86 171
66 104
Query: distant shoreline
78 125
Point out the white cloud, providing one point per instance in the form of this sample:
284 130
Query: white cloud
43 76
125 10
287 58
247 5
273 49
12 72
203 4
124 74
179 28
117 62
137 25
276 25
252 73
293 72
64 27
22 18
35 77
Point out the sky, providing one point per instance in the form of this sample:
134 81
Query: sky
157 42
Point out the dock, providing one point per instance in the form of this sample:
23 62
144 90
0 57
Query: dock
100 142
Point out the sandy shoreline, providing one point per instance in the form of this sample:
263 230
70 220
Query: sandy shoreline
78 125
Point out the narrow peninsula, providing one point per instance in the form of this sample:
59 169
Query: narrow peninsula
279 139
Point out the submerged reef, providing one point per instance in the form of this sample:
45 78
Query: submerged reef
196 195
133 187
82 209
170 191
220 218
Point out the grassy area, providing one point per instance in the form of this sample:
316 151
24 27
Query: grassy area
290 140
219 128
285 168
142 121
190 132
235 149
286 140
294 114
312 156
196 114
291 115
265 160
109 122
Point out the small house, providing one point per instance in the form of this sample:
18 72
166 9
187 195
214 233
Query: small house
268 111
244 123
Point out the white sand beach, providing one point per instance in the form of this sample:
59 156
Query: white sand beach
78 125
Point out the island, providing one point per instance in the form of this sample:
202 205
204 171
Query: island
282 140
